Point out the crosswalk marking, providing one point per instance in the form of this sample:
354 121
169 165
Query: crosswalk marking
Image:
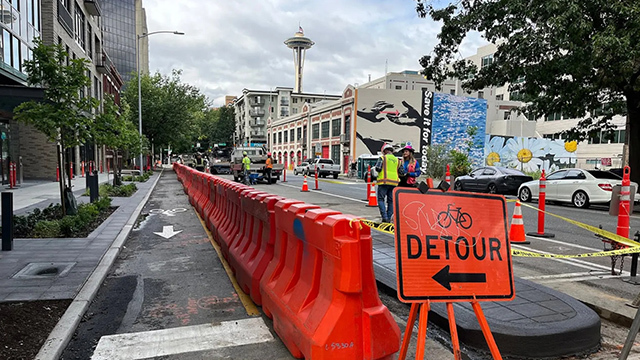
149 344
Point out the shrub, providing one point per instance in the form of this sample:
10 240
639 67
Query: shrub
108 190
46 229
460 163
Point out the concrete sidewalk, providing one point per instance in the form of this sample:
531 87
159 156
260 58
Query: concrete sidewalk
40 193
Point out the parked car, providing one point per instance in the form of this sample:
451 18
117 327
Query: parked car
577 186
492 179
325 167
303 169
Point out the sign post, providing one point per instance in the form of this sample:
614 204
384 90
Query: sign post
451 247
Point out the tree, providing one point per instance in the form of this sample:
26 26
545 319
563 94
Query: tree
578 58
114 130
170 109
65 114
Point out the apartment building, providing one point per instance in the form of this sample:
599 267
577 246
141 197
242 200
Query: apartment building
254 108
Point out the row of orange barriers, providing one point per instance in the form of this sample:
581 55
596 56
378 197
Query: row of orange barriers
310 269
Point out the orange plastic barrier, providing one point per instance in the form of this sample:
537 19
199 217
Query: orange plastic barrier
320 288
254 259
310 268
245 221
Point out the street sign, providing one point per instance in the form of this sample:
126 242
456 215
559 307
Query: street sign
452 246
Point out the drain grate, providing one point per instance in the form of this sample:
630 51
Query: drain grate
44 270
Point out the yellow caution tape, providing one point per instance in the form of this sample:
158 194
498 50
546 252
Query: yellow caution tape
390 229
604 233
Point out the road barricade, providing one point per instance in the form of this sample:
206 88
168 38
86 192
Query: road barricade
253 261
209 203
320 288
231 227
245 229
201 195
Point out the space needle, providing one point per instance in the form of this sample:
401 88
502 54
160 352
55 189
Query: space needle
299 44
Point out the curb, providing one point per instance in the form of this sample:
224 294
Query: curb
66 326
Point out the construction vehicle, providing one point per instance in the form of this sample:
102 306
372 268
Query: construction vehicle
258 156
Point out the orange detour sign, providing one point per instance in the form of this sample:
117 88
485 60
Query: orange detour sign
451 247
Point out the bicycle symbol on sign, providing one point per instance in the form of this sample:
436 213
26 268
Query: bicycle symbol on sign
170 212
445 218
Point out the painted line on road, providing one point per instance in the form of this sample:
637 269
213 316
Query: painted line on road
328 194
574 262
187 339
567 244
577 279
566 275
248 304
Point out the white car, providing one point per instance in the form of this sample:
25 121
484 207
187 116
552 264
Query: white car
577 186
303 169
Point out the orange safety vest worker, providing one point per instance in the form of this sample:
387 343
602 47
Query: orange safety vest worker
269 163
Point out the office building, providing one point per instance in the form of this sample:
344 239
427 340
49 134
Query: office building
123 21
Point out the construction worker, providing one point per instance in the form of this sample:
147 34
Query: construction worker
267 168
388 168
246 165
199 162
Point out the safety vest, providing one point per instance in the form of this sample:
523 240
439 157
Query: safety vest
246 162
199 162
389 173
269 163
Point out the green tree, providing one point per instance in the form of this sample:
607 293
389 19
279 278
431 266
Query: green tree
170 109
578 58
114 130
65 115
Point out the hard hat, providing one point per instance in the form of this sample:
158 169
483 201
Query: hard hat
409 147
387 146
268 154
244 153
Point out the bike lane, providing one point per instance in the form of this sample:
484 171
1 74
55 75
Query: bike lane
169 296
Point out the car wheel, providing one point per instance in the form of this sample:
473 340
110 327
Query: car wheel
525 194
335 176
580 199
295 172
457 186
492 189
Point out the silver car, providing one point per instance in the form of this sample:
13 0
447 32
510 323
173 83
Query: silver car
577 186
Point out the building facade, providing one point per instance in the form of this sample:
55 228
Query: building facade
254 108
124 20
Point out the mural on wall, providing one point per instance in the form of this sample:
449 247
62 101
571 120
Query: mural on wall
530 154
453 117
421 118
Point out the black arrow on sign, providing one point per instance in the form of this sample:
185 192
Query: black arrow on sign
445 278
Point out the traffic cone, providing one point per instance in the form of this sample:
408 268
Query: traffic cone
305 186
516 232
373 198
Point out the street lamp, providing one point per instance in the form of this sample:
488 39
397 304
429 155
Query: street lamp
139 87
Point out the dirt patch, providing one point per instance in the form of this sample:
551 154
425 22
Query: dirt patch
24 326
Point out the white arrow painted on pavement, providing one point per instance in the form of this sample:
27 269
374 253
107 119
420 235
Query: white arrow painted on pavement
167 232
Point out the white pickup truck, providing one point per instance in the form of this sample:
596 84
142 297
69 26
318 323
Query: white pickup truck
325 167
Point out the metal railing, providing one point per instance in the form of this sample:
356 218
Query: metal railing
65 19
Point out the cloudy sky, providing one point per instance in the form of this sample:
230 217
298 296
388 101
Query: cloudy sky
231 45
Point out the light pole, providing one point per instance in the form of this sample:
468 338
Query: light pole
139 87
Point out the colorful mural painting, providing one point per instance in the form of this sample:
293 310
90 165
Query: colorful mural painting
530 154
420 118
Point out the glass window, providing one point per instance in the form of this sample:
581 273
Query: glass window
299 133
575 175
292 134
486 60
488 171
325 129
286 136
6 47
480 94
280 137
477 172
315 131
16 53
275 138
557 175
335 127
335 153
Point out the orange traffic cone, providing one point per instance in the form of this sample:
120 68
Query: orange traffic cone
373 198
305 186
516 232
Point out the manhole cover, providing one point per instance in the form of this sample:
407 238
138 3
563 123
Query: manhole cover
44 270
